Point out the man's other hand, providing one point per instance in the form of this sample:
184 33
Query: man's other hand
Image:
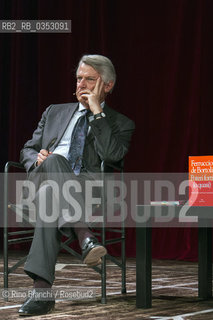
42 155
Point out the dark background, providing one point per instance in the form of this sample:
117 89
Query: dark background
162 51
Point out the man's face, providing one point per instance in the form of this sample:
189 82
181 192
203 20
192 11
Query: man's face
86 80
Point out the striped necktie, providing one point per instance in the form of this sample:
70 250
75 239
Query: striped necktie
77 143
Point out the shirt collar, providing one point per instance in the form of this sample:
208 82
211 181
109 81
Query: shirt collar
81 107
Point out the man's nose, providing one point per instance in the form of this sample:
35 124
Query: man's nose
82 83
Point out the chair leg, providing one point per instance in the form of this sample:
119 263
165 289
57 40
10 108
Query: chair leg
103 266
103 281
123 249
5 261
103 239
123 260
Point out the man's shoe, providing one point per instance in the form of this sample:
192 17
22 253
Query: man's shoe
92 251
94 263
34 307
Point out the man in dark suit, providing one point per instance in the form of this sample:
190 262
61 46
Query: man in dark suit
104 135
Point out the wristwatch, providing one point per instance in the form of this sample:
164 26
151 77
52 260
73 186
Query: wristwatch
97 116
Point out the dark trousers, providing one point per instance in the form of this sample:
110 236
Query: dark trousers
45 246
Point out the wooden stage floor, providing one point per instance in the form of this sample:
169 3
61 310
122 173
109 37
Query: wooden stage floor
174 289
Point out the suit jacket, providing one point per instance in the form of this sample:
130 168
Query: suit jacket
108 139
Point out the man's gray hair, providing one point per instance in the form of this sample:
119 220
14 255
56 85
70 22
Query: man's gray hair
101 64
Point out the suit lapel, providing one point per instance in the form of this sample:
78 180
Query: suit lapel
64 119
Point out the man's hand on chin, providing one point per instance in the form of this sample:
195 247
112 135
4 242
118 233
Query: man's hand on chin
92 98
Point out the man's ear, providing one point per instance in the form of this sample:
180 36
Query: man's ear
108 86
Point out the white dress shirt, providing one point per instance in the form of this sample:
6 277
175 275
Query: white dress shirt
64 144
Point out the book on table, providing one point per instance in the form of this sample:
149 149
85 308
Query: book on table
201 180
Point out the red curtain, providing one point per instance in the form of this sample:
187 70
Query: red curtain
163 53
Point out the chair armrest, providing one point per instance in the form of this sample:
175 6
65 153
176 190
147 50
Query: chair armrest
10 164
119 166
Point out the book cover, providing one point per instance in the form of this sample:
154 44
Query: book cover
201 180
